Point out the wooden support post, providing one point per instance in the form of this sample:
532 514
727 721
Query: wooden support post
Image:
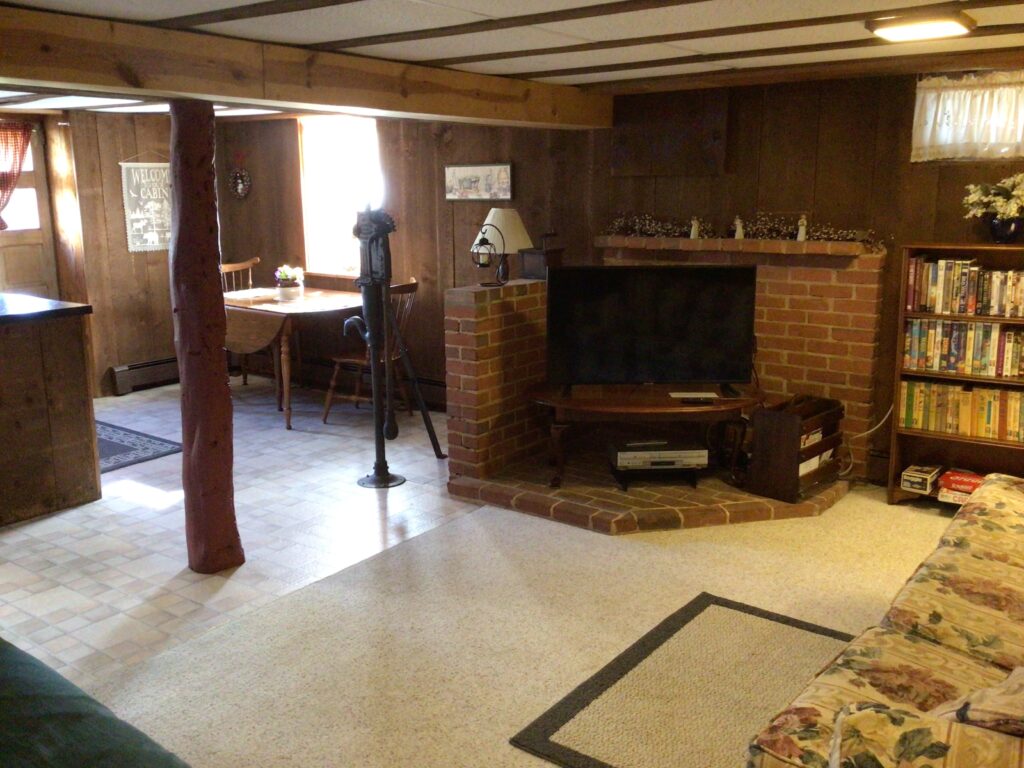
199 330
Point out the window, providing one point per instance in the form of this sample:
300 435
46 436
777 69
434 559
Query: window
970 117
341 174
22 210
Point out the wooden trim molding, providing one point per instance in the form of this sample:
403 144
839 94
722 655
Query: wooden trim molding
249 11
51 50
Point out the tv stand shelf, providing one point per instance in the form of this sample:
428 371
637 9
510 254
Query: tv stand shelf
629 403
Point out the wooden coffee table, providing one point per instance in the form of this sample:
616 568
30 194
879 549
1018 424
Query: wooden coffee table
629 404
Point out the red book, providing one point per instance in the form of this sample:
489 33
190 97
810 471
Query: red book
960 480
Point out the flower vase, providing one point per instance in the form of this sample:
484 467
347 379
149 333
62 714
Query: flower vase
289 291
1005 230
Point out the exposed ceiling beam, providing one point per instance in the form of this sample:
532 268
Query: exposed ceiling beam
702 34
40 49
507 22
992 58
250 11
756 53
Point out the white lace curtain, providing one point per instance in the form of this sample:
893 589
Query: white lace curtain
974 116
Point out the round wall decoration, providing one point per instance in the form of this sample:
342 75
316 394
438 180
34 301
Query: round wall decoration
241 183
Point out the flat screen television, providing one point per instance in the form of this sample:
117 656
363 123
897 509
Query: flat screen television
662 325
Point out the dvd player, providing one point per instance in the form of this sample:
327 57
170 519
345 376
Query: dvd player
657 454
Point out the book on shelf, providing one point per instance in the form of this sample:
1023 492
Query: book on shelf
983 412
961 286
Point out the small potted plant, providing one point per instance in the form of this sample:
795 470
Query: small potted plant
289 282
1001 204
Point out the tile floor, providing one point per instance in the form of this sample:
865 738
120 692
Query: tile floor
107 584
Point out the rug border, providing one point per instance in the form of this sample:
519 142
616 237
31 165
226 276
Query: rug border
158 455
536 737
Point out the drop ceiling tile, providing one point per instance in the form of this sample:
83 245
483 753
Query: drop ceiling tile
343 22
570 60
832 33
131 10
518 8
466 45
714 14
681 69
884 51
1004 14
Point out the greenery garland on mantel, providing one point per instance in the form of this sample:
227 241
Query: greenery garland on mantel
764 226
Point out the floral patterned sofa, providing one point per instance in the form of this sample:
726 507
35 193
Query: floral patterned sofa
956 627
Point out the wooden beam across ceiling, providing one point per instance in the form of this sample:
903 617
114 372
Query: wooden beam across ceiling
505 22
704 34
50 50
756 53
961 61
248 11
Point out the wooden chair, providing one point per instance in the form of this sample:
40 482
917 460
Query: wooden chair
237 276
402 298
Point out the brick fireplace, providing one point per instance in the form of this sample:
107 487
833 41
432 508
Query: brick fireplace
816 321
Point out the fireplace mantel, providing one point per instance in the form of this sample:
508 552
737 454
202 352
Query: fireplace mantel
731 245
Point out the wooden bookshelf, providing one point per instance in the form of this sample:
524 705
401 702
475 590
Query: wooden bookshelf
910 445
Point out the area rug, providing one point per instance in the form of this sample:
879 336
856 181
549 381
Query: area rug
722 666
120 447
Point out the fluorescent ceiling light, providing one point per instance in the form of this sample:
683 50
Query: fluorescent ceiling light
71 102
242 112
904 29
137 108
12 94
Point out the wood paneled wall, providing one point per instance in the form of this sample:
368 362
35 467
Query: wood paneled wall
129 292
837 149
549 178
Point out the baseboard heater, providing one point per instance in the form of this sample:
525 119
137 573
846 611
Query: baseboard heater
148 374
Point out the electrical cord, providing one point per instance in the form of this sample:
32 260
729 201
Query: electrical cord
849 453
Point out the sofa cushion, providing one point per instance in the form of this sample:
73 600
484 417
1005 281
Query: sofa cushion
881 667
47 721
990 526
972 605
999 707
874 736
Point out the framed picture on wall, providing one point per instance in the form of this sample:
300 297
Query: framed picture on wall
478 182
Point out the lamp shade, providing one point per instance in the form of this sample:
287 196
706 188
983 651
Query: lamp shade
513 236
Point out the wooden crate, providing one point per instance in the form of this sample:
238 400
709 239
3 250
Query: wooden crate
782 444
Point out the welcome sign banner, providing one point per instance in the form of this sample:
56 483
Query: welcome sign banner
147 205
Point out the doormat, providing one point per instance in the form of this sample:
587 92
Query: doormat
691 692
120 447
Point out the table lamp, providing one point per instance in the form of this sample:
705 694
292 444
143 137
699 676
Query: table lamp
502 233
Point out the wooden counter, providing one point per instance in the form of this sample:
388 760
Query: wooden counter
48 460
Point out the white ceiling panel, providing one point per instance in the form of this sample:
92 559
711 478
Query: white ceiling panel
583 59
341 22
1006 14
833 33
131 10
897 49
466 45
682 69
502 8
714 14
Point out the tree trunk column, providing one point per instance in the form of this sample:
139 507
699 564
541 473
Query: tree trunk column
199 330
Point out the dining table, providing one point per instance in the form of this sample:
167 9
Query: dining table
258 318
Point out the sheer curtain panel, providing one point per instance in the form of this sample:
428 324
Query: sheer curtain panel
977 116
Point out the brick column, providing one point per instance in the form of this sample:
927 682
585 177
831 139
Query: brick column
495 341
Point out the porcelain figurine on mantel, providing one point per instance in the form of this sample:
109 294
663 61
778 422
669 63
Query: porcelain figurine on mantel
694 228
738 226
801 228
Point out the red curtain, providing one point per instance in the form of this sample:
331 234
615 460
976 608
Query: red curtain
14 139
